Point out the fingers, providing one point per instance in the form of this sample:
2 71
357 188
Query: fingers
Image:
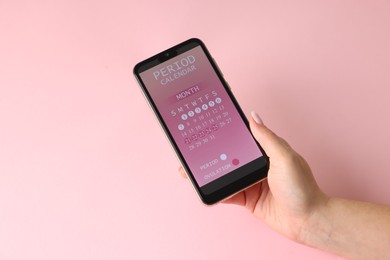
182 172
271 143
237 199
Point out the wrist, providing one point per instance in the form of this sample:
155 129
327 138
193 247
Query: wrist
317 225
352 229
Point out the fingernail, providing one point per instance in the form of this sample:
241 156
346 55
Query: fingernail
257 118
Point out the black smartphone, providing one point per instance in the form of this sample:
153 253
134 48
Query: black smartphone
202 120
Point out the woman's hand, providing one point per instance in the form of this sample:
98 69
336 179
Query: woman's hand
289 196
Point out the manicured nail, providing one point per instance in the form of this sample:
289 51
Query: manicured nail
257 118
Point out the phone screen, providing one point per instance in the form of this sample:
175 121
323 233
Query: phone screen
200 115
202 118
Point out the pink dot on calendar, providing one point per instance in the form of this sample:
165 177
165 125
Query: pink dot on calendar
235 162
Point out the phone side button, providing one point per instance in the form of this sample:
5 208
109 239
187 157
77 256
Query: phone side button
227 83
219 70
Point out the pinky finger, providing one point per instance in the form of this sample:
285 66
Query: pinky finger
182 172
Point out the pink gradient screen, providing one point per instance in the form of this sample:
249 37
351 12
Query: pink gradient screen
200 115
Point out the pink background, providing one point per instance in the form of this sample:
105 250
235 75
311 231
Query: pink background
85 171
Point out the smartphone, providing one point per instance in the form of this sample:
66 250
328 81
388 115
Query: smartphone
203 121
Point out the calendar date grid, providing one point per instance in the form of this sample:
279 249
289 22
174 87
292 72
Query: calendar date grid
199 118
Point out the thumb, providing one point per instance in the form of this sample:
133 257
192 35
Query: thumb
272 144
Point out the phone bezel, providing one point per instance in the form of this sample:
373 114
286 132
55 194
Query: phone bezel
225 191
